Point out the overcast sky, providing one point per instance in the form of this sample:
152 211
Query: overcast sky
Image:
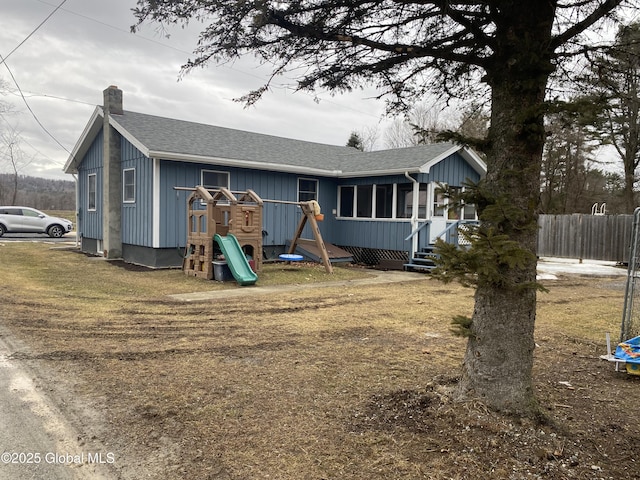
86 46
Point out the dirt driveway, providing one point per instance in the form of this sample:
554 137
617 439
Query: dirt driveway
348 381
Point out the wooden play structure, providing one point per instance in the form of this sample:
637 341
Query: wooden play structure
223 212
220 211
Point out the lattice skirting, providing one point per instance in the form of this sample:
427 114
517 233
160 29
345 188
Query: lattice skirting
373 256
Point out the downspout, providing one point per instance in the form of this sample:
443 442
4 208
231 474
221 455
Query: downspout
414 213
77 209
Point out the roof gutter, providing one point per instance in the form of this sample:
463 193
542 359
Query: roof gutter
279 167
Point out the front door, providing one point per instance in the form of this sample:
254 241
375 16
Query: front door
438 225
438 213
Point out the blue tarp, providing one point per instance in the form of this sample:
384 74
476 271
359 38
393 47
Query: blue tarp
629 350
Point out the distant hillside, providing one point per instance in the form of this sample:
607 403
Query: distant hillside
40 193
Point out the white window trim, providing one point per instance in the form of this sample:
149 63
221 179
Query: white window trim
95 192
124 186
374 199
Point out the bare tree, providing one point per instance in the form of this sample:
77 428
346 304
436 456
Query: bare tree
409 48
13 155
423 123
399 134
369 137
4 108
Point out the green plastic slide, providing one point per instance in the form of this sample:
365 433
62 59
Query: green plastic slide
236 259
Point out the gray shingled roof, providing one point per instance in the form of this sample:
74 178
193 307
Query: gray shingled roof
396 159
160 134
182 140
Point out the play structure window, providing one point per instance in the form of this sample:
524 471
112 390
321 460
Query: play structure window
307 189
92 189
129 185
214 179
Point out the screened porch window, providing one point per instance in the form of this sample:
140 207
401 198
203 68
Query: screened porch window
405 200
346 201
384 201
364 201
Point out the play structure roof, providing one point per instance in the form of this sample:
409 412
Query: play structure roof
179 140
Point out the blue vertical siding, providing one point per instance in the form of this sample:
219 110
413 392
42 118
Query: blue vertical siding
173 204
137 217
453 170
279 220
387 235
90 222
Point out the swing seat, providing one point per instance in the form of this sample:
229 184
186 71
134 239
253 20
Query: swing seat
290 257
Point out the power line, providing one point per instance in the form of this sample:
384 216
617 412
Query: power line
165 45
34 31
283 86
29 106
16 132
55 97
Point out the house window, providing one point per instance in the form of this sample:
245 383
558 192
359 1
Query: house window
212 179
443 205
384 200
469 212
364 195
346 201
307 189
129 185
404 207
439 204
92 188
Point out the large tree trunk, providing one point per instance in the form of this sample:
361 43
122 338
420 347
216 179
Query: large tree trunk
499 357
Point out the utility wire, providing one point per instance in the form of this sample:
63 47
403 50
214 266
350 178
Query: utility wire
15 132
3 61
34 31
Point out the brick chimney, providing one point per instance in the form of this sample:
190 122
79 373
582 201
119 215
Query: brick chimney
112 176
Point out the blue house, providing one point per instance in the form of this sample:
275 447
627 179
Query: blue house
382 205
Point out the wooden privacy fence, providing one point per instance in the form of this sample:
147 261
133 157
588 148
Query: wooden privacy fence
592 237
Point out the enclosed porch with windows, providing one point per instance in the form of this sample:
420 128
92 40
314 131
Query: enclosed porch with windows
396 222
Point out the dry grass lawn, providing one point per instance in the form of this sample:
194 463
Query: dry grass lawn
347 382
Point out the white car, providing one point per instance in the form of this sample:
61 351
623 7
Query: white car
30 220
